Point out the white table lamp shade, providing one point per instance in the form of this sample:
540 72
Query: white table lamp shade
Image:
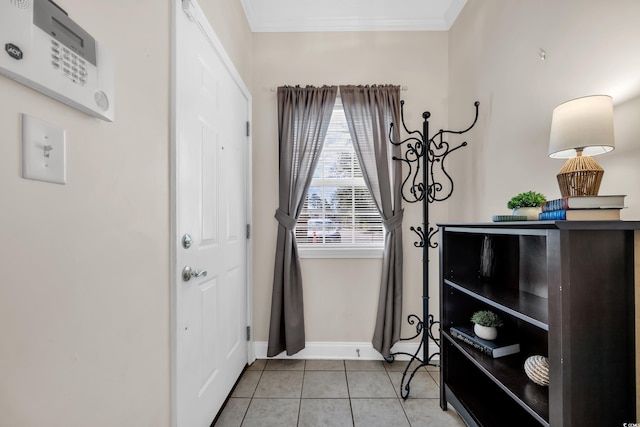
582 124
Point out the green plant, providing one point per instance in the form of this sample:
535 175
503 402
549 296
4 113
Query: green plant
486 318
530 199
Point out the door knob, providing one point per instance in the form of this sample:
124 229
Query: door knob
188 273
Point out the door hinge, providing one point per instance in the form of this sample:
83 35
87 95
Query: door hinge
248 128
248 231
248 333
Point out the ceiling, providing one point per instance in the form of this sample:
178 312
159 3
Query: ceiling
351 15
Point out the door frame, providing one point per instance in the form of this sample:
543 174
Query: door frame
195 14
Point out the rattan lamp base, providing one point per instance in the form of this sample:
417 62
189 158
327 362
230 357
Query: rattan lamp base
580 176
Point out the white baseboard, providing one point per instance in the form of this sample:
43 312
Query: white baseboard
345 351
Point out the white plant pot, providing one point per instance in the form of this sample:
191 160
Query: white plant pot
485 332
530 213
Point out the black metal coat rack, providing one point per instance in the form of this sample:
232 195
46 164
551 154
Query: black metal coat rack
427 181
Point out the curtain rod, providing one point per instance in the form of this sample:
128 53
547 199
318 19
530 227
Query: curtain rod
402 88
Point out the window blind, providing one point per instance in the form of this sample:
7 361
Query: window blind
339 210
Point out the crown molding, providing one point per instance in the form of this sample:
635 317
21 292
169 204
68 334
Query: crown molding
331 20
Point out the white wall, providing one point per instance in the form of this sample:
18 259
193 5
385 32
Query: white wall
84 267
591 48
84 295
340 296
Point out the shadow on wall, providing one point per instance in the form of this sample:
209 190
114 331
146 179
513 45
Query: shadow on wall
621 165
627 126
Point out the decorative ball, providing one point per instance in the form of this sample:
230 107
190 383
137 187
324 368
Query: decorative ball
537 369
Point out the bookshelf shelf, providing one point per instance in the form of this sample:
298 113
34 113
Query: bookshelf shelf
560 287
506 373
523 305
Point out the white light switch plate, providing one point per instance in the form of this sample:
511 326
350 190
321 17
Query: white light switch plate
43 151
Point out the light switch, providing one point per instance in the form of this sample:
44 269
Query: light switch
43 151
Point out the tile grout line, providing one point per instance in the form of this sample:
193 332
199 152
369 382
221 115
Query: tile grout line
253 395
399 396
246 411
346 378
304 374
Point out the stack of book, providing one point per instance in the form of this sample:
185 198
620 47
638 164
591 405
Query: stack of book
583 208
495 348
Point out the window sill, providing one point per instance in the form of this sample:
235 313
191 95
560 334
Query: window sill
308 251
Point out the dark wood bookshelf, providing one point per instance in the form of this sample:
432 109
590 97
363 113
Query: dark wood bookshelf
565 290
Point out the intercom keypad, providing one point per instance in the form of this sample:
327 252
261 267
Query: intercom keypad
71 65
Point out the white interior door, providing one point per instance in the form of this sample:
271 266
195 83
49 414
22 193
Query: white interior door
210 205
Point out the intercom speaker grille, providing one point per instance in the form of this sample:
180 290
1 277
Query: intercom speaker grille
21 4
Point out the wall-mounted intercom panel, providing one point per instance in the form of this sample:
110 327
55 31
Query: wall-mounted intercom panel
41 47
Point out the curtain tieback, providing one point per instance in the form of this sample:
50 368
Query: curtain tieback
393 222
285 220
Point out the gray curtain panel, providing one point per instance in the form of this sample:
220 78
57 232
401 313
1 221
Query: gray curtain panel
303 120
370 110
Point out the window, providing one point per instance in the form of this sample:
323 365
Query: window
339 212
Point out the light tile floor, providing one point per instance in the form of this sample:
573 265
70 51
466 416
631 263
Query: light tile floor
326 393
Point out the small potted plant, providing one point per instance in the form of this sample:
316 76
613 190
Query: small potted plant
485 324
527 204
